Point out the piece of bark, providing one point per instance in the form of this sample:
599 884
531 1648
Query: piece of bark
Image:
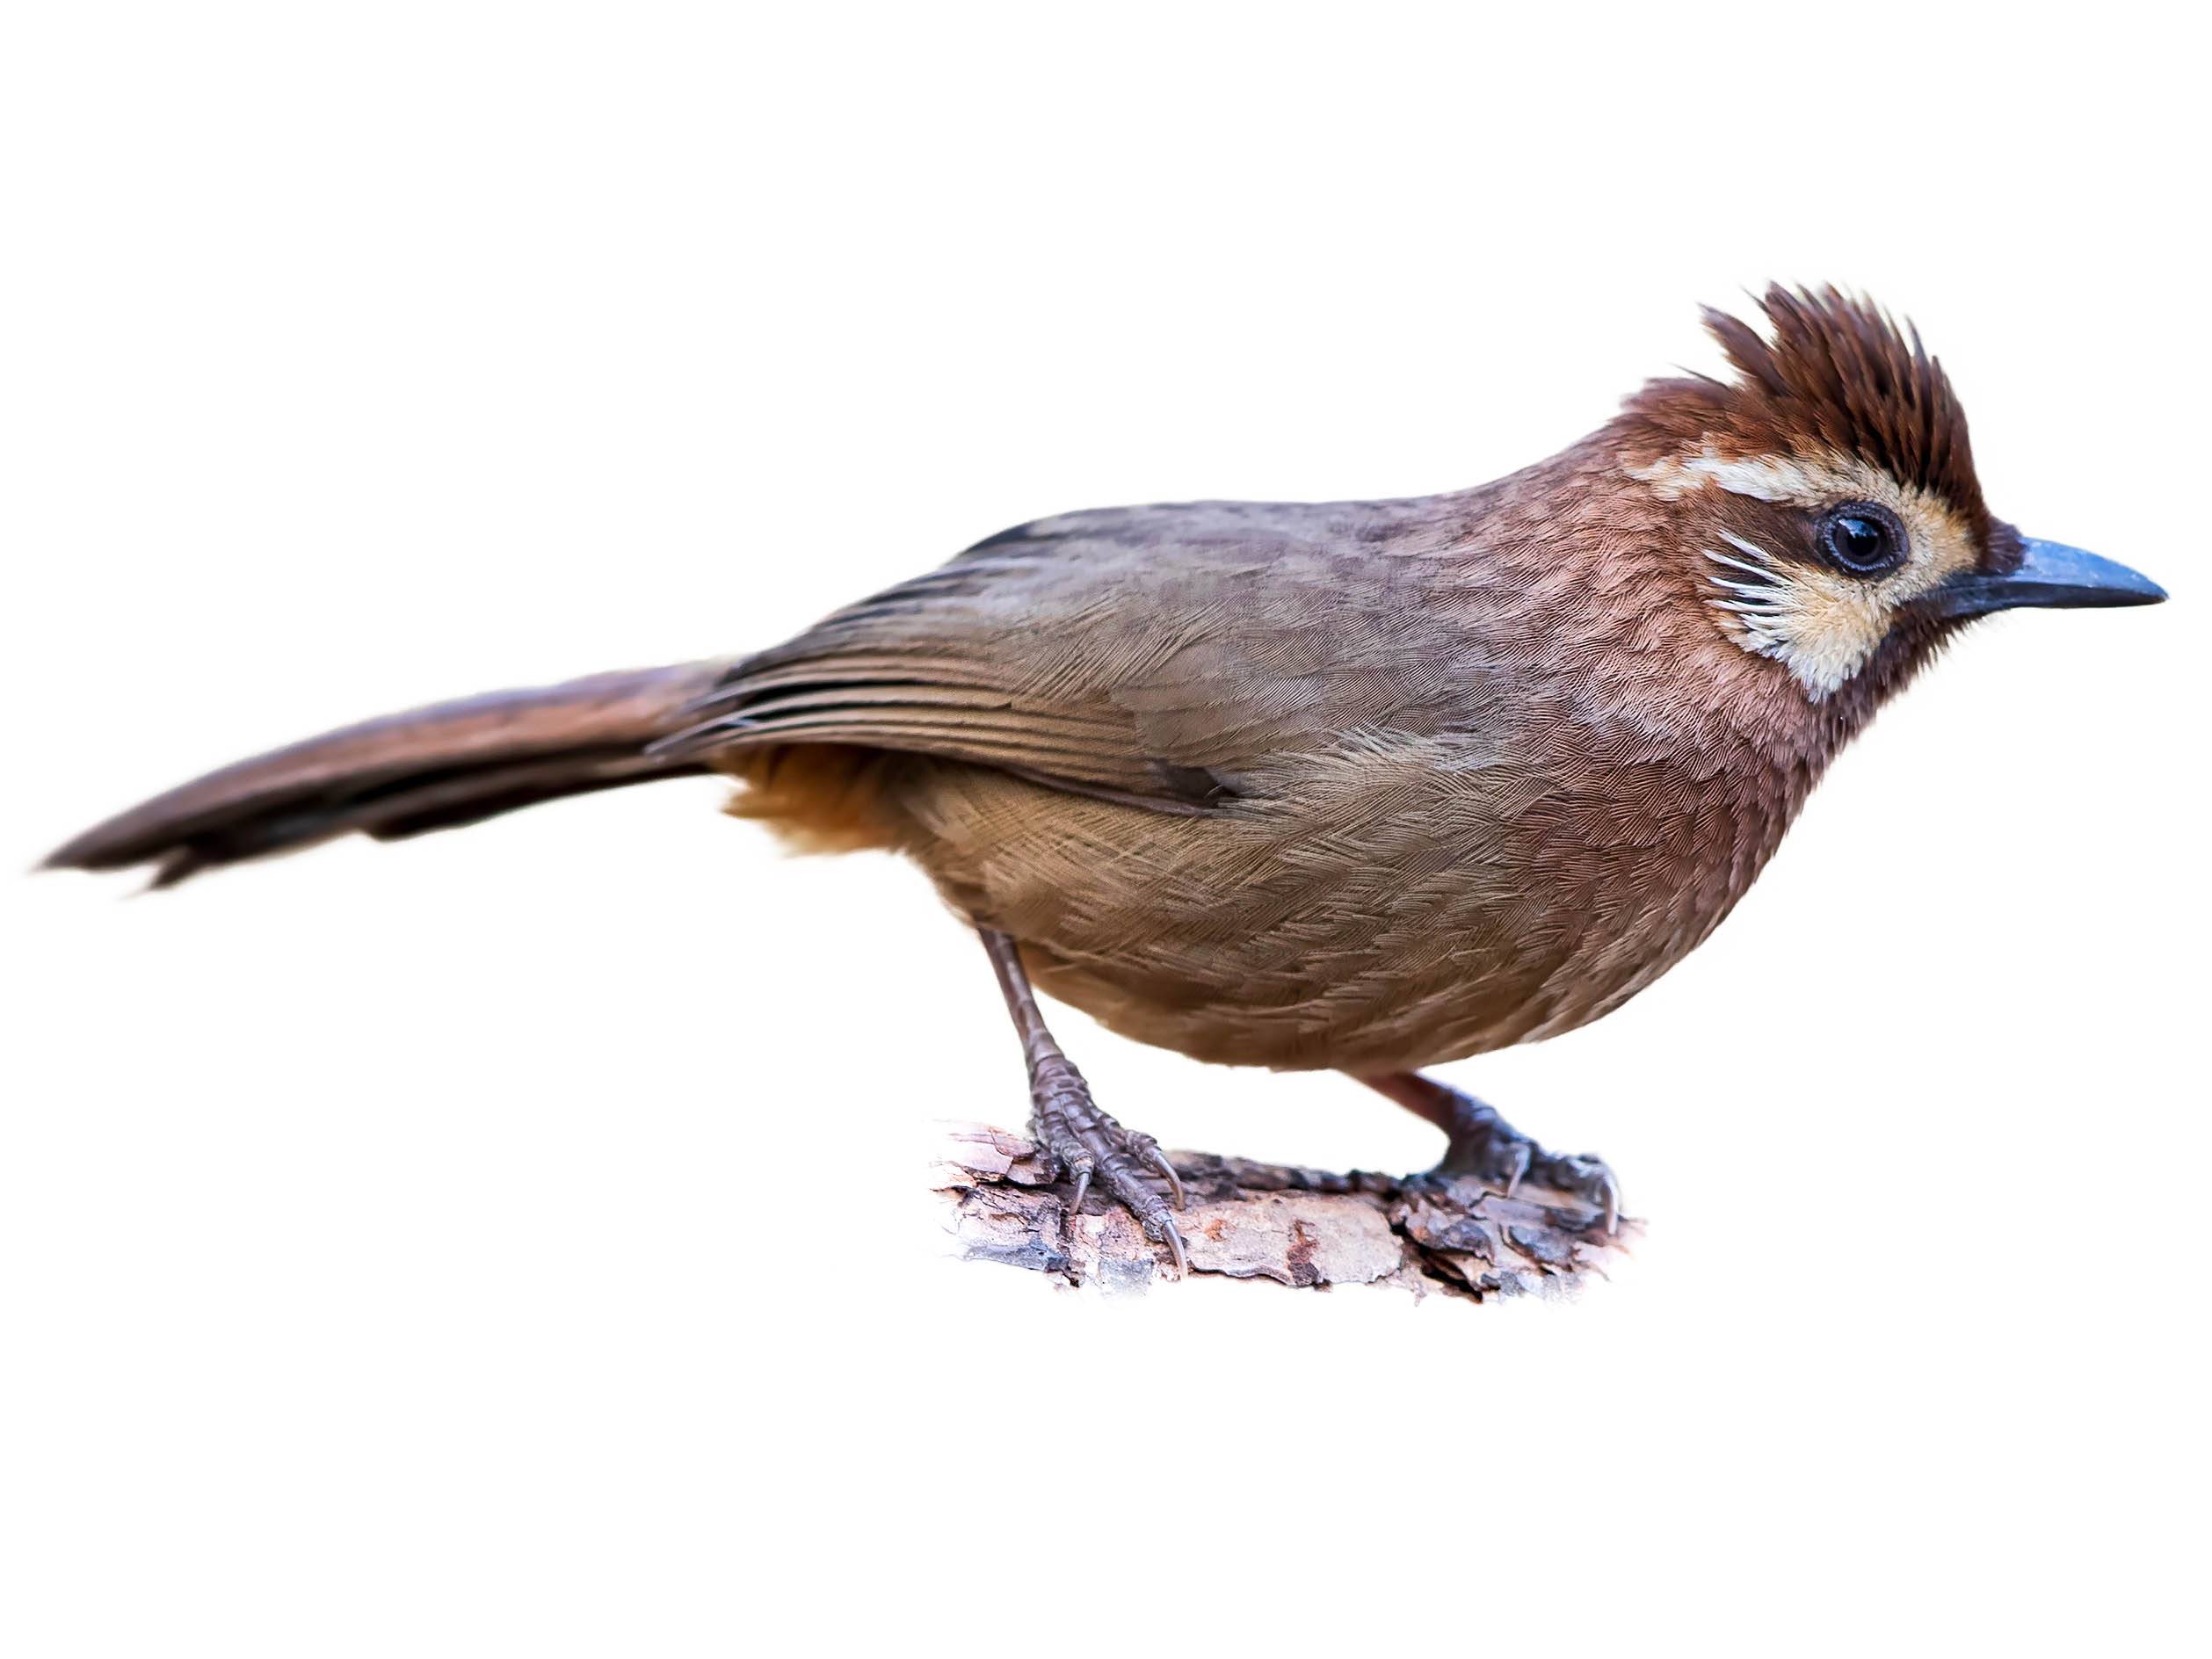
1303 1227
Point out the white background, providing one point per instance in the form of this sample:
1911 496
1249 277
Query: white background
516 1242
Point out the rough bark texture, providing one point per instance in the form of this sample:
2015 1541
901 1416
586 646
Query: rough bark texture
1305 1228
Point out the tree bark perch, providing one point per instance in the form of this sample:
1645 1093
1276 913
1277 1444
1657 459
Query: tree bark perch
1309 1228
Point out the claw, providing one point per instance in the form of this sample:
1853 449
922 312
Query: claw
1521 1155
1612 1201
1083 1185
1174 1240
1175 1181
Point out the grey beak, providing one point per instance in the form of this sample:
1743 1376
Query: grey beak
2052 574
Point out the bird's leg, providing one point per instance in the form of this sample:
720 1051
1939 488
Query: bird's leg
1074 1138
1481 1144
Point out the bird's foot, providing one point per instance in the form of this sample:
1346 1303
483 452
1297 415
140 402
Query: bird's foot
1081 1143
1483 1146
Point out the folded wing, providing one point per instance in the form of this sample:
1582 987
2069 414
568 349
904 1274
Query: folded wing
1168 656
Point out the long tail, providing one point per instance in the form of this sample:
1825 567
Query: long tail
434 768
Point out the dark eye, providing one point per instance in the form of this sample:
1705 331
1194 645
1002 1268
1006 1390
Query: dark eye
1862 538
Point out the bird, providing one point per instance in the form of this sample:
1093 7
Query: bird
1367 786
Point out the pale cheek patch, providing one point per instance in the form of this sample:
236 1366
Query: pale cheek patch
1822 625
1823 629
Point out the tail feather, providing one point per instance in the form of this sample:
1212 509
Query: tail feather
434 768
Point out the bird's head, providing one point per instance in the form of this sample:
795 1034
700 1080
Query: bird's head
1827 501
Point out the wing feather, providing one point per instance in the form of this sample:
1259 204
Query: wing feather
1165 655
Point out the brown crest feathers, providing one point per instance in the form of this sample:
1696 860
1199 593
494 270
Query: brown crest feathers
1837 374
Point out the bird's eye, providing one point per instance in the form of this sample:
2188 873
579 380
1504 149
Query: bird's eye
1862 538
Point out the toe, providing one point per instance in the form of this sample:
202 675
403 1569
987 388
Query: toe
1593 1181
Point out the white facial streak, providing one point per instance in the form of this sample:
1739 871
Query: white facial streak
1820 623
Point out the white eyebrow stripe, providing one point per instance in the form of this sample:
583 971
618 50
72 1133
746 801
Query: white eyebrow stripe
1805 480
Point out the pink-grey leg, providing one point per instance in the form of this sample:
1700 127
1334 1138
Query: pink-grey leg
1481 1144
1078 1140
